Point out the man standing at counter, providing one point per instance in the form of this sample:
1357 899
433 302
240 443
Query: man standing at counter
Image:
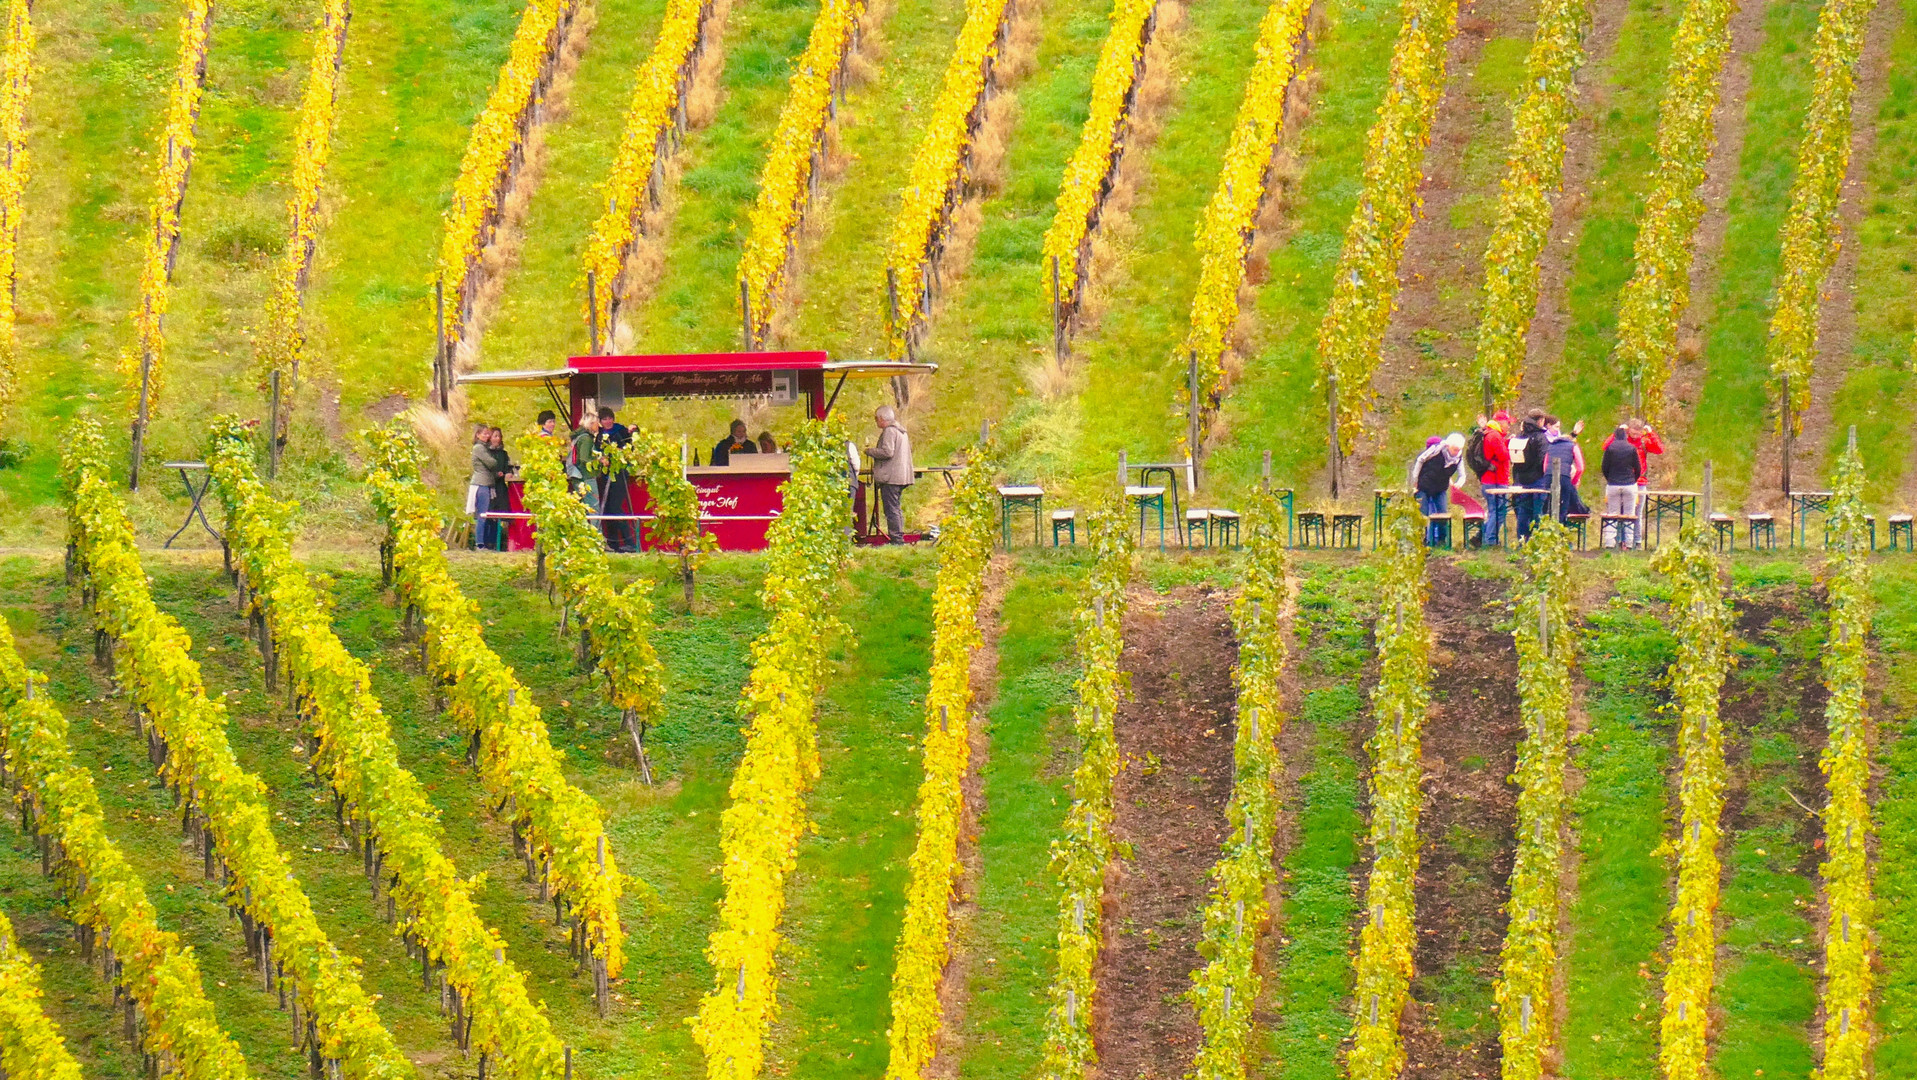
891 469
617 499
738 442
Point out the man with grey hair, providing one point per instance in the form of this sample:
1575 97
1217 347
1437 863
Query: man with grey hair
891 469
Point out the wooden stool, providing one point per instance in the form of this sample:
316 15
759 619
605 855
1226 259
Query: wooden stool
1347 531
1622 527
1900 526
1197 521
1224 523
1012 500
1474 529
1067 520
1764 525
1311 522
1149 498
1575 523
1724 531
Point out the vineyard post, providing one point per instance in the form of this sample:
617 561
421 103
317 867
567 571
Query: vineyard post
139 422
1485 385
1785 478
745 315
1707 491
440 360
273 430
1266 474
1331 403
1637 396
592 308
1191 424
892 308
1058 318
1556 482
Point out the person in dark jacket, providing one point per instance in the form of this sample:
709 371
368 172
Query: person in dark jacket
1623 468
615 491
737 441
1436 471
1564 467
1526 448
502 475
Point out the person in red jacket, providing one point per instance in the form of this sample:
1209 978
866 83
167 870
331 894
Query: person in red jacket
1495 446
1646 441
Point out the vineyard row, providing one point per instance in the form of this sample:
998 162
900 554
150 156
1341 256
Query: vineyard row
225 805
509 745
966 541
281 342
1659 289
156 980
495 151
1398 705
394 824
1084 852
1527 1005
1225 990
1703 659
1365 285
760 829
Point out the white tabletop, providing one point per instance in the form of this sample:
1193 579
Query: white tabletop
1136 492
1021 492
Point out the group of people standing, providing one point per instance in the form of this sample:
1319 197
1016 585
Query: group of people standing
1518 464
488 491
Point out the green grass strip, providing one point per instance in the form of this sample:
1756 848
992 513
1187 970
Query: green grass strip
1894 708
1766 974
1624 154
1621 812
1314 973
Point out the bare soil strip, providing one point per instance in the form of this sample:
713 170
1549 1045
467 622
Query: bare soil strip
1175 738
1837 322
1468 828
1437 256
984 676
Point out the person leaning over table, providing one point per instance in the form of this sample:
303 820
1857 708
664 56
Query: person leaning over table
502 475
767 445
738 441
579 455
891 470
479 489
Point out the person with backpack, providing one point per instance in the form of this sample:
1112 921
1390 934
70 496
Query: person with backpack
1436 471
1623 468
1488 453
